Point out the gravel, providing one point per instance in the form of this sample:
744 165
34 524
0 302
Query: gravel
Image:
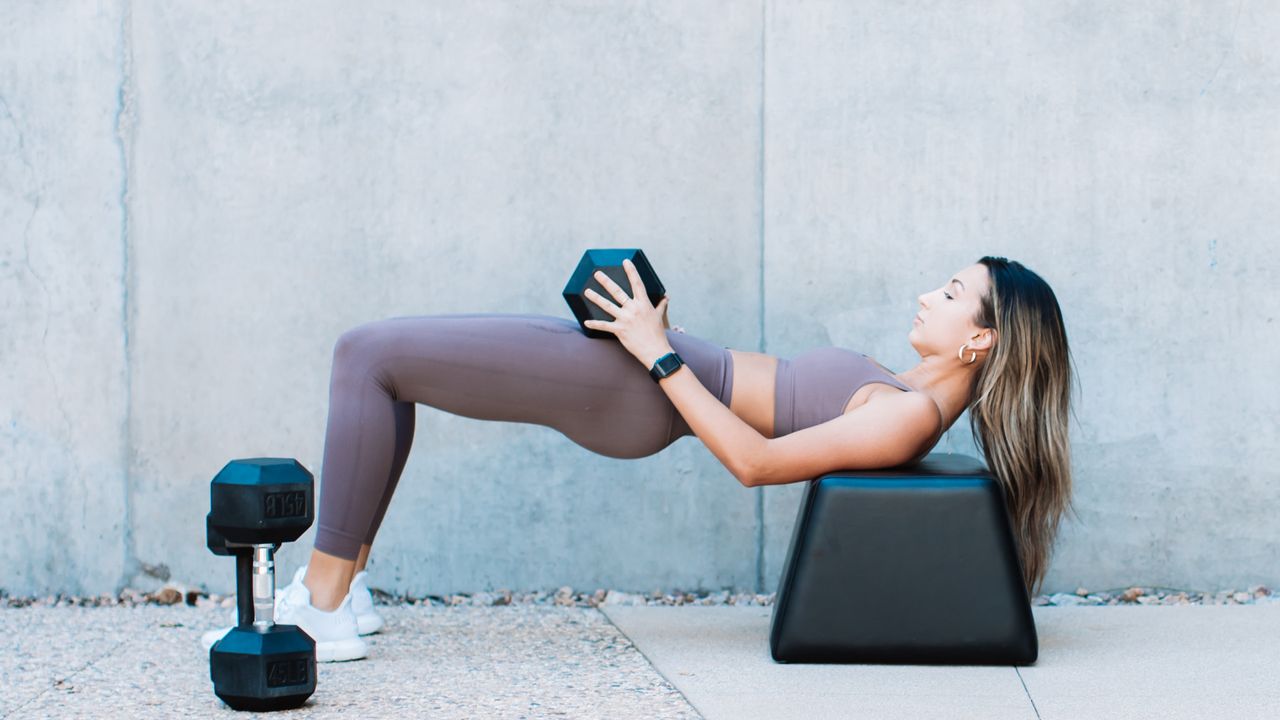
1136 595
566 596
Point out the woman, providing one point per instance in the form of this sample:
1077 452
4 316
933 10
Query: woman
990 340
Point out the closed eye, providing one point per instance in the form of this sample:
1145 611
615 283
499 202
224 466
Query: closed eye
947 295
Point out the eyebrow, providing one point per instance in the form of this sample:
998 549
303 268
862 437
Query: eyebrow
958 283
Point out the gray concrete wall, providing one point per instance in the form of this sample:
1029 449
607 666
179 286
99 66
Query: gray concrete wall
196 200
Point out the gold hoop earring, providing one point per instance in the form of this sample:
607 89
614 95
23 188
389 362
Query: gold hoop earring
960 354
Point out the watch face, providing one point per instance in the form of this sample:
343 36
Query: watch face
668 363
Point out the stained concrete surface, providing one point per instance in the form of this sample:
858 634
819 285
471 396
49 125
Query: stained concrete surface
458 662
651 662
1094 662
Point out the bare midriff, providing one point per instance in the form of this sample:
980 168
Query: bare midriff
754 377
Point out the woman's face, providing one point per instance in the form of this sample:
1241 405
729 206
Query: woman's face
947 315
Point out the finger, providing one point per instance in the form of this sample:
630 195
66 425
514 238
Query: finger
614 289
637 285
603 302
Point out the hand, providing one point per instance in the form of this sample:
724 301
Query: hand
637 323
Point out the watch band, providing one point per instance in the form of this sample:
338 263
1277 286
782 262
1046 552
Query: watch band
665 366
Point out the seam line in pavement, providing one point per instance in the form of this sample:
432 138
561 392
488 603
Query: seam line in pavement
58 680
1028 692
646 659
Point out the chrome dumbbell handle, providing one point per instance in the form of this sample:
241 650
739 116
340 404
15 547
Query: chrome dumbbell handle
256 584
264 586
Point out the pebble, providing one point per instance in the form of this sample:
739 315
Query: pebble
614 597
565 596
1137 595
168 596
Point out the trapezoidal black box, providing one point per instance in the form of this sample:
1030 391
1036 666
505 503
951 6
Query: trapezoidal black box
915 564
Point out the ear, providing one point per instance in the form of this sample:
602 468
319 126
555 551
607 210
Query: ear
985 340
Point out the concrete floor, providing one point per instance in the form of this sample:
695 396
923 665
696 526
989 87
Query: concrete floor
1095 662
530 661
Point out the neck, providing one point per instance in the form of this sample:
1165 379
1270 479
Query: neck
945 381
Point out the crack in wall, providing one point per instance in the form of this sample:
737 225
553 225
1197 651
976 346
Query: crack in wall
35 197
125 121
1227 53
764 7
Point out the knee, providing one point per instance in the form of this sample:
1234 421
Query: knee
352 345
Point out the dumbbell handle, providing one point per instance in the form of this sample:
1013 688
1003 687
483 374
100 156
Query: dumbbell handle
256 586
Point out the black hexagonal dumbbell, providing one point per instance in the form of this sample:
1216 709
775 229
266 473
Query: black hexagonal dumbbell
608 260
255 505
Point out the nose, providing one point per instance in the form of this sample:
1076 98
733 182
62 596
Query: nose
923 304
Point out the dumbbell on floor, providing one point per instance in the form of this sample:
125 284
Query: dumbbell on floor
256 504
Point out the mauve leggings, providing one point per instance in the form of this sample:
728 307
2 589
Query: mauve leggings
523 368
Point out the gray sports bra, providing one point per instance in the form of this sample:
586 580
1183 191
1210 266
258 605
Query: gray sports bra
814 386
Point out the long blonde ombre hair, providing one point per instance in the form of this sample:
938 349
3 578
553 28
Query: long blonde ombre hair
1020 408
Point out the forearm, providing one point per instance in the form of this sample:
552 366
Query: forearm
728 437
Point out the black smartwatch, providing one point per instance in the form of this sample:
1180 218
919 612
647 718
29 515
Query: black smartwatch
665 365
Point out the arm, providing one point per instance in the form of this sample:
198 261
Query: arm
886 431
734 443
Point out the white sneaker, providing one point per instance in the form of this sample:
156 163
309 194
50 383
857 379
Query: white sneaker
362 603
367 618
336 632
